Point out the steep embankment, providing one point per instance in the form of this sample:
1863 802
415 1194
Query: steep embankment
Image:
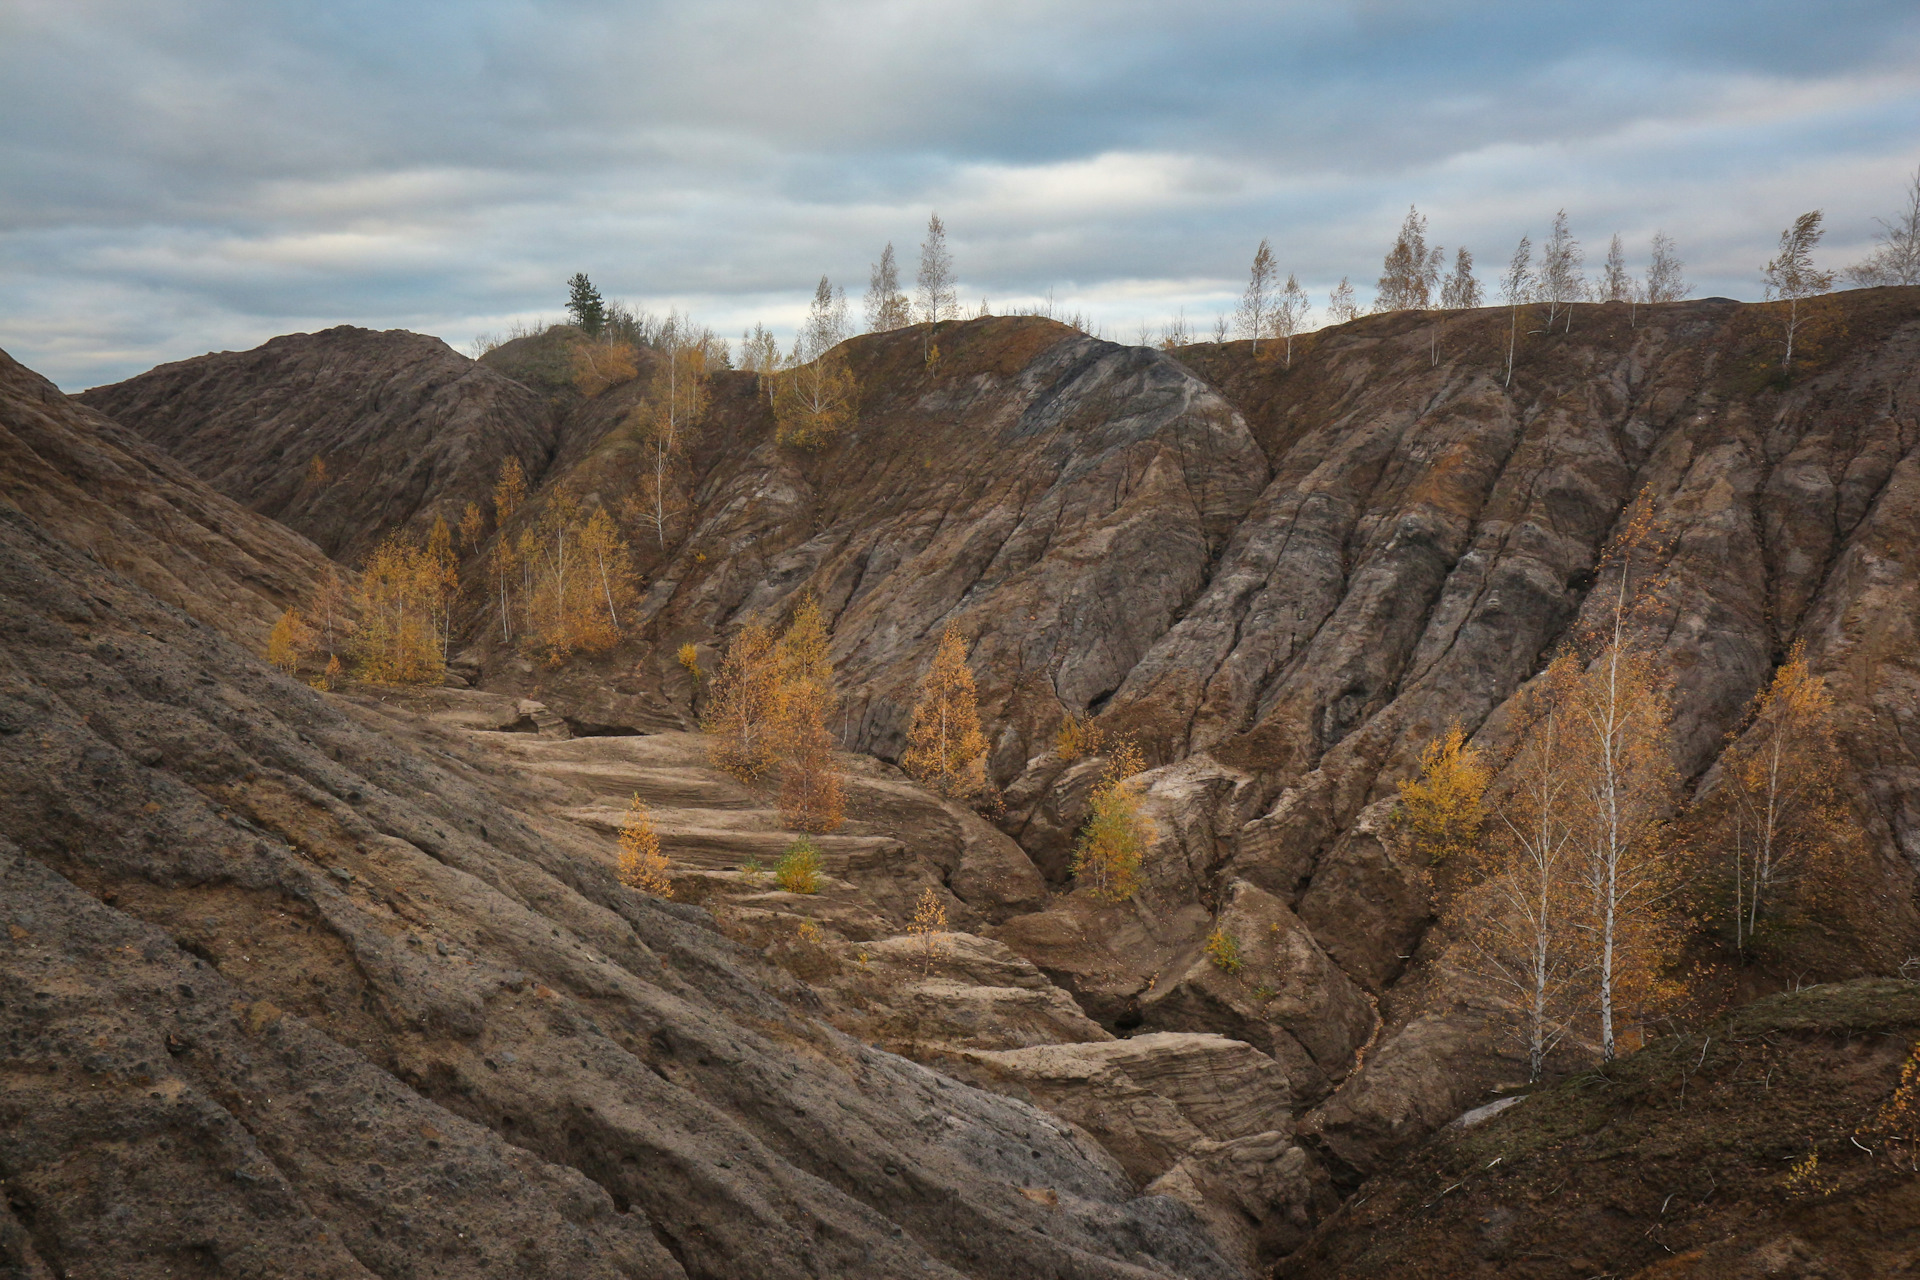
1686 1161
292 984
343 435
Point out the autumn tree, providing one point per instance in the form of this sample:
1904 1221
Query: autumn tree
609 564
1896 254
1255 314
937 298
1113 843
1440 808
811 796
642 864
509 491
945 748
667 420
1460 292
760 353
741 705
1290 314
1616 282
1515 925
1775 822
928 923
887 307
1516 290
1175 333
815 397
290 642
1411 269
328 612
596 366
473 527
1560 283
577 576
1792 278
585 305
440 570
395 639
1620 773
1340 304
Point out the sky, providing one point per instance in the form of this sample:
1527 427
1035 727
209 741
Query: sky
179 176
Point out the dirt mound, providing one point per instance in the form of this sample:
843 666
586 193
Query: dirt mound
343 435
1686 1159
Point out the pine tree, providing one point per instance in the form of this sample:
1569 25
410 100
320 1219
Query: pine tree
642 865
945 748
584 304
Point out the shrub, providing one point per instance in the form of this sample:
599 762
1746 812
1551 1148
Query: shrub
1223 948
798 870
1114 841
1079 736
642 865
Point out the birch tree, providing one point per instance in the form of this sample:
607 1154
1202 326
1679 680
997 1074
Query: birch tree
1290 314
1516 924
1792 278
1255 315
1896 255
1665 282
887 308
937 297
1616 282
1340 304
1774 816
814 397
1559 283
1516 290
1411 270
667 418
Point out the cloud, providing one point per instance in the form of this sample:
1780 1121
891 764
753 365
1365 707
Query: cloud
180 174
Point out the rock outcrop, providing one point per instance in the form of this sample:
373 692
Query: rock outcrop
344 435
300 983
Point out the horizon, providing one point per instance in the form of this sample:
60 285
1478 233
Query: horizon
206 175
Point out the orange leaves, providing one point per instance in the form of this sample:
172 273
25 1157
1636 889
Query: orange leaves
1441 808
1113 844
769 704
945 748
290 641
642 865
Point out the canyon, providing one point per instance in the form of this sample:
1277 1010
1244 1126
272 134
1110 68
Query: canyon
345 983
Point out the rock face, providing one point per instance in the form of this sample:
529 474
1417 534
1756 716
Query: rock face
296 983
405 428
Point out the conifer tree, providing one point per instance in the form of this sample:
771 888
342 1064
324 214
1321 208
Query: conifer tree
945 748
741 705
585 305
642 865
811 796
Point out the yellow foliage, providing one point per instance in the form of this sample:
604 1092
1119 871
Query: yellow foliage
741 705
945 748
689 657
395 638
595 366
811 797
333 675
1441 809
798 870
1805 1178
1898 1120
815 401
576 580
1223 949
929 922
642 865
1113 843
290 641
1079 736
473 527
810 933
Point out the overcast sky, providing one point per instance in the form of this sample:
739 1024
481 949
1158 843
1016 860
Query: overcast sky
178 176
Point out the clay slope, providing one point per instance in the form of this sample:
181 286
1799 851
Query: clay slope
1676 1163
103 491
406 428
291 986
